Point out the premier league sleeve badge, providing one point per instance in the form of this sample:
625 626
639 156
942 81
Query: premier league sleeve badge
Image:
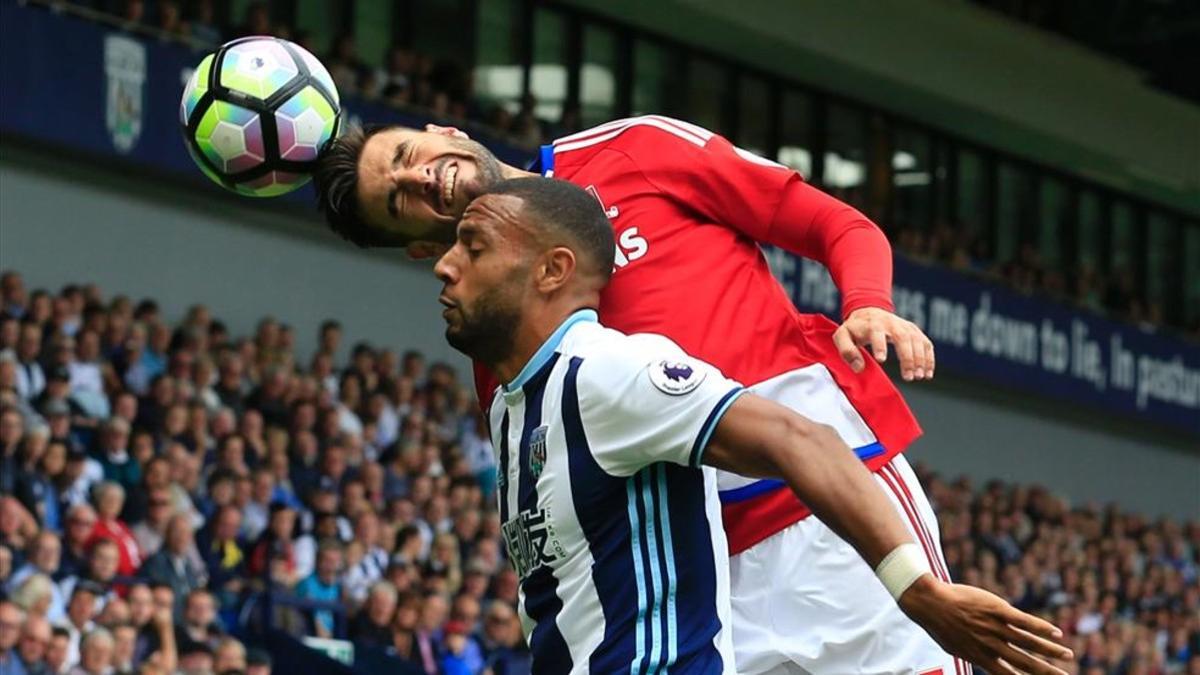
676 378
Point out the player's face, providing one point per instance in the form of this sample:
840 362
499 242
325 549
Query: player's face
419 183
485 276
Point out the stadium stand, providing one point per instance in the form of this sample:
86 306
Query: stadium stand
443 89
176 486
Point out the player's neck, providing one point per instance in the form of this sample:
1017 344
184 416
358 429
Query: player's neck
509 171
533 331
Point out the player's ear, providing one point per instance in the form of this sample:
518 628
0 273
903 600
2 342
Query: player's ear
446 131
555 269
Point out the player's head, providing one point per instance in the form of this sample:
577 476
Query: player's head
528 249
379 185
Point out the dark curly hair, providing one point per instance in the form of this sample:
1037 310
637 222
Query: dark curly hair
336 180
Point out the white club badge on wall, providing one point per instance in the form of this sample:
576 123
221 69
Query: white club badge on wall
676 378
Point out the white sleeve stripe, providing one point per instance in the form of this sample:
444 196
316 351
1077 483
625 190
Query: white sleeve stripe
710 424
751 157
664 126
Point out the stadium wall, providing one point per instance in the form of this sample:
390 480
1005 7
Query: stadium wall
1045 98
179 246
134 235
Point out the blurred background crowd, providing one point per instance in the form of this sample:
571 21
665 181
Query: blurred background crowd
444 88
166 484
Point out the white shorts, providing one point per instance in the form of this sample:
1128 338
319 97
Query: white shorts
805 602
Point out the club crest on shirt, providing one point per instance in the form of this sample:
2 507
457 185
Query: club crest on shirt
537 451
675 377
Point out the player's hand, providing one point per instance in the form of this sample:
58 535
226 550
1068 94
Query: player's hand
975 625
423 250
873 328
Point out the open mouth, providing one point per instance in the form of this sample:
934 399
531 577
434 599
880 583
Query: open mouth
449 183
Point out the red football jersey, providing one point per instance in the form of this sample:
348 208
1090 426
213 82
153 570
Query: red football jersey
688 210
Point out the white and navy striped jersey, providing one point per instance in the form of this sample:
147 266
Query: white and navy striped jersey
610 521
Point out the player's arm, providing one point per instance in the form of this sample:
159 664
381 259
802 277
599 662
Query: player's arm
820 227
770 203
757 437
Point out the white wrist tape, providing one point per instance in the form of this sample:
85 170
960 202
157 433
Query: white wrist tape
900 568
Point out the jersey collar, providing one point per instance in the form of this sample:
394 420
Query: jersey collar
544 164
543 354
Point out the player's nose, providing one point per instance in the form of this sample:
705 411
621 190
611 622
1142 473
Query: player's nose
420 178
443 270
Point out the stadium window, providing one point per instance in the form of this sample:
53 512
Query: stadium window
444 32
499 75
1162 265
912 178
1122 244
795 133
970 208
548 72
320 20
1088 240
1054 213
707 93
942 173
754 114
372 31
1014 210
598 76
656 71
1191 275
845 175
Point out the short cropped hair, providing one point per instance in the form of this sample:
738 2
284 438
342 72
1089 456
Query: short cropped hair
336 180
560 207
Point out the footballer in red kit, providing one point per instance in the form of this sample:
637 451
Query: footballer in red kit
689 211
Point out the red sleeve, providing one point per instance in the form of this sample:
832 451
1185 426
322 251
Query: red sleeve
817 226
767 202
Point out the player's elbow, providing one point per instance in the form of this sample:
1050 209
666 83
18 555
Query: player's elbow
798 435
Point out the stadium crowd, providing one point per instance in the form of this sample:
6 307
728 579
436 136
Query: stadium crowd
443 90
1116 295
157 478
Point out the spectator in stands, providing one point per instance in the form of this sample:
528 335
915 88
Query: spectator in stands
96 653
196 657
222 551
81 608
174 564
274 552
374 560
141 615
109 498
12 430
170 18
11 620
12 297
35 639
202 26
229 655
31 379
115 460
99 573
44 557
58 651
199 625
269 399
324 585
35 595
344 65
372 626
258 662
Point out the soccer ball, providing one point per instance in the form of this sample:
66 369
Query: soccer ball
256 114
